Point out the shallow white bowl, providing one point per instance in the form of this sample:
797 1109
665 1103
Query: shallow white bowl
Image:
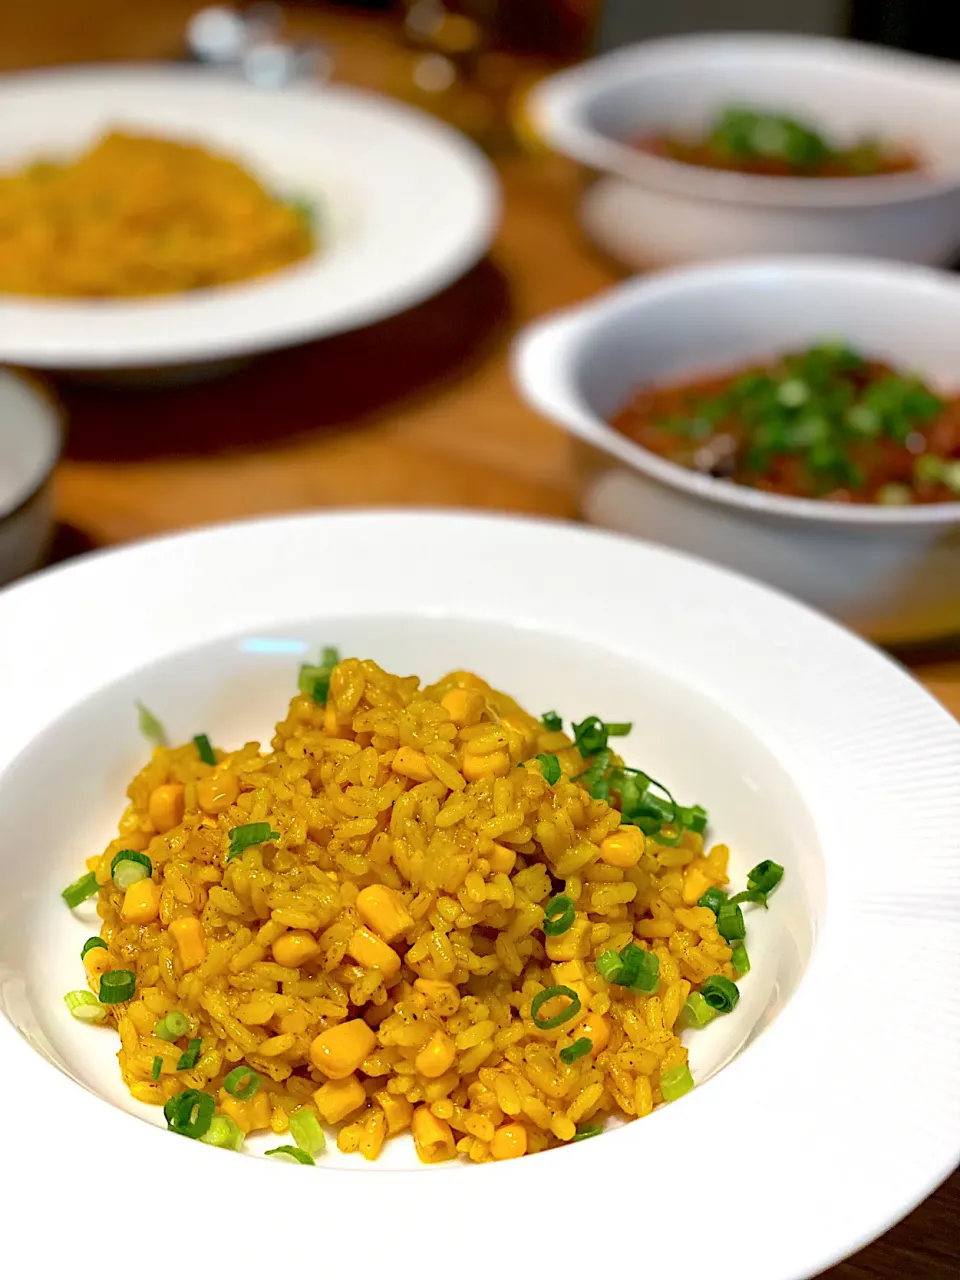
805 745
648 211
891 572
30 439
405 205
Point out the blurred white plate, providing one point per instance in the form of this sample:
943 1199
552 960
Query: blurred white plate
405 205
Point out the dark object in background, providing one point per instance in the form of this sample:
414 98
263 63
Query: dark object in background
921 26
625 21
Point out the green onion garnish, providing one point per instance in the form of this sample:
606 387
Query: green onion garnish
150 726
587 1131
696 1013
576 1050
639 969
172 1027
590 736
80 890
618 730
765 877
730 923
306 1132
156 1068
315 680
713 898
204 749
551 722
720 993
190 1056
224 1132
740 960
608 965
550 768
559 915
551 993
675 1083
85 1006
190 1113
117 986
129 867
290 1153
91 944
251 833
242 1082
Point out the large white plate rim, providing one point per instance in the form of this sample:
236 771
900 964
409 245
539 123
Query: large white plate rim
842 1123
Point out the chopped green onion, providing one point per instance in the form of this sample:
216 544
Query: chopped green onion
129 867
315 680
749 895
618 730
576 1050
330 656
730 923
675 1083
639 969
608 965
117 986
765 877
590 736
306 1132
713 898
559 915
224 1132
190 1056
190 1113
587 1131
696 1013
85 1006
242 1082
204 749
150 726
720 993
80 890
551 722
550 768
156 1068
552 993
91 944
290 1153
251 833
173 1026
740 960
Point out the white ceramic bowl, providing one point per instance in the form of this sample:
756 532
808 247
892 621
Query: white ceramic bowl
893 573
841 1067
649 211
30 440
405 205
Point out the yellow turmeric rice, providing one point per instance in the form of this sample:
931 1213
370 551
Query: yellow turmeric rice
138 215
407 915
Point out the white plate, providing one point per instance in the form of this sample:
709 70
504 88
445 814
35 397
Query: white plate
805 744
405 206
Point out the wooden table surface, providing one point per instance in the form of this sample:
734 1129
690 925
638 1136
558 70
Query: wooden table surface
418 410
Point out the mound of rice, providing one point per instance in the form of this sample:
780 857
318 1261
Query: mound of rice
401 903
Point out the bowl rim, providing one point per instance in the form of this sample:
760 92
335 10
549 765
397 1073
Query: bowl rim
557 105
51 418
544 354
819 1185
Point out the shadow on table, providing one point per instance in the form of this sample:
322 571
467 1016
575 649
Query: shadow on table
326 386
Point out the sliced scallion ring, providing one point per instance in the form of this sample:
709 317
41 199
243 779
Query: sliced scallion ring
242 1082
570 1010
117 986
306 1132
91 944
173 1026
84 1006
80 890
130 866
290 1153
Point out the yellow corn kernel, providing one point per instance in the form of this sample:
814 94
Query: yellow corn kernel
624 848
432 1137
494 765
464 706
165 806
397 1110
384 912
412 764
339 1050
597 1029
373 953
294 948
98 962
695 884
141 902
249 1115
502 860
441 997
191 940
509 1141
573 944
217 792
337 1098
436 1056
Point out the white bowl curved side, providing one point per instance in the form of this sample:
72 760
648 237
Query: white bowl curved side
891 573
30 441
